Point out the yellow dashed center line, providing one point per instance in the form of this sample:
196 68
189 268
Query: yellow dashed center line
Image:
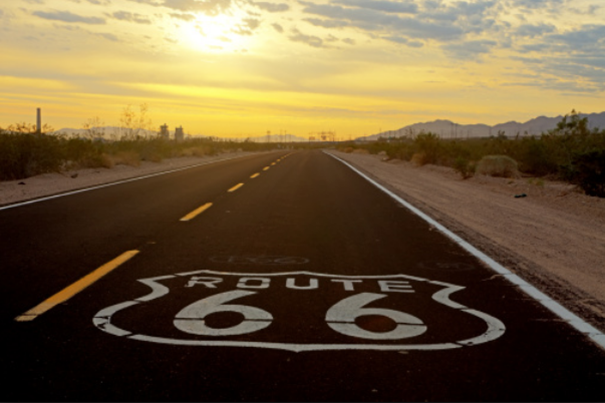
234 188
265 168
196 212
273 163
75 288
254 176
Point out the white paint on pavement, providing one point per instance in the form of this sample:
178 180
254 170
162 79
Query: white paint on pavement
218 291
572 319
138 178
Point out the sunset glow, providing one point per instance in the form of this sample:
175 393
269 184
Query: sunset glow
241 68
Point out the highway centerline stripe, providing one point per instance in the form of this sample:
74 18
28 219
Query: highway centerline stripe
137 178
234 188
265 168
196 212
75 288
254 176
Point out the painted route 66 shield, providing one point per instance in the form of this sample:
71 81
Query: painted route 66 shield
300 311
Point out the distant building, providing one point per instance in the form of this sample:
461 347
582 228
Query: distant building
164 132
178 134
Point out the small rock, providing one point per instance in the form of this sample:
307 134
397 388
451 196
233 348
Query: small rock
74 176
520 195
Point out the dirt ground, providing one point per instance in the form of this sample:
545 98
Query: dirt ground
554 237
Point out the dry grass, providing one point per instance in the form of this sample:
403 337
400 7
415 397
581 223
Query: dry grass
360 151
194 152
419 159
130 158
498 165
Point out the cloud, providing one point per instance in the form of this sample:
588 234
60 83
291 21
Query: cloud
208 7
538 4
310 40
470 49
131 17
404 41
587 37
247 27
110 37
278 27
271 7
382 5
184 17
531 31
371 20
66 16
327 23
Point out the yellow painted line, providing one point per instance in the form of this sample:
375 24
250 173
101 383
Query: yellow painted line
254 176
265 168
196 212
76 287
273 163
234 188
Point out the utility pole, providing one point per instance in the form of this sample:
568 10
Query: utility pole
39 121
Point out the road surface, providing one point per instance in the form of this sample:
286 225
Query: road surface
277 276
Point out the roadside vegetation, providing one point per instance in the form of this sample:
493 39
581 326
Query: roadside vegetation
570 152
25 153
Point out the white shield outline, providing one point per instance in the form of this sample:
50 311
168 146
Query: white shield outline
495 328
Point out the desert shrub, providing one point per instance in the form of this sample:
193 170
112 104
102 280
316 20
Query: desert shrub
26 154
428 145
83 153
419 159
498 165
465 168
131 158
588 172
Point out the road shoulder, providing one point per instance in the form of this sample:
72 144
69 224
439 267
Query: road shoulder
553 237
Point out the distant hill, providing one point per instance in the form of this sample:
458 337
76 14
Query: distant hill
449 129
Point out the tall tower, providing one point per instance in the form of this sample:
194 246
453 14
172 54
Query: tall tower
179 135
164 131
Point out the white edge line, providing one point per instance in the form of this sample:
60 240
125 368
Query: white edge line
559 310
73 192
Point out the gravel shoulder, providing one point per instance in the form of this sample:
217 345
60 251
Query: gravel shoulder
554 237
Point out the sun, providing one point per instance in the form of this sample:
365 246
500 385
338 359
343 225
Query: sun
214 34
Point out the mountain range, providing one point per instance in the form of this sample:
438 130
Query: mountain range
449 129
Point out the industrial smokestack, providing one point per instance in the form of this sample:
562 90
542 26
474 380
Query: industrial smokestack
39 121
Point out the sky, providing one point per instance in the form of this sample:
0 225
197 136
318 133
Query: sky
241 68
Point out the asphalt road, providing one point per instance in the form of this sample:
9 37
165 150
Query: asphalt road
304 282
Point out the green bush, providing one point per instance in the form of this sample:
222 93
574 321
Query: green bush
26 154
465 168
588 171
